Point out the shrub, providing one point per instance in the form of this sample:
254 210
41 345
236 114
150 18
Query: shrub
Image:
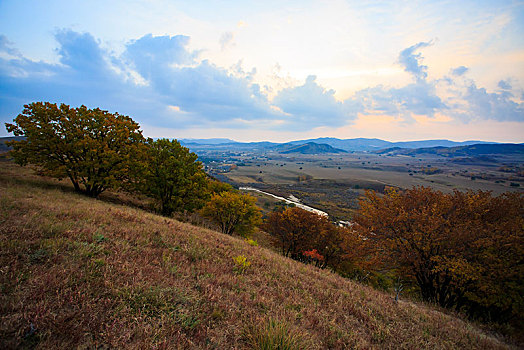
296 230
313 256
252 242
241 264
462 250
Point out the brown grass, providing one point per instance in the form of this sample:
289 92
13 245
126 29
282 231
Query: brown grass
90 274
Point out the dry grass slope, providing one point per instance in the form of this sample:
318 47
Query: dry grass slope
82 273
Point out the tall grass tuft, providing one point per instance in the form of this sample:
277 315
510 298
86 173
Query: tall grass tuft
274 335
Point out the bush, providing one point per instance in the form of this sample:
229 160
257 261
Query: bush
252 242
241 264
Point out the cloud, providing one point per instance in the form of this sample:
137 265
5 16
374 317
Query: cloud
458 97
411 60
504 85
466 102
81 52
459 71
206 92
152 74
492 106
83 76
151 56
161 82
418 98
226 39
311 105
7 49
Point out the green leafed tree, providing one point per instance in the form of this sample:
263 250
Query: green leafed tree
233 212
92 147
173 177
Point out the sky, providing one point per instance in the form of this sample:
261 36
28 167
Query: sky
273 70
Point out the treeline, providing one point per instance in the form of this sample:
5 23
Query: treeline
98 150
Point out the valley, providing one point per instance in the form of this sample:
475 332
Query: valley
333 182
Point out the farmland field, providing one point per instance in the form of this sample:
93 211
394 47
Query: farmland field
334 183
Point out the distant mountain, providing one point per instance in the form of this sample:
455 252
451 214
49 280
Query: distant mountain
358 144
436 143
476 150
308 148
365 144
3 140
213 141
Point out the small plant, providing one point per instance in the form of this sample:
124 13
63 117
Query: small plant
241 264
251 242
313 256
399 287
98 237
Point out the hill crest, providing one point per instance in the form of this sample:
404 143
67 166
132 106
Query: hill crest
309 148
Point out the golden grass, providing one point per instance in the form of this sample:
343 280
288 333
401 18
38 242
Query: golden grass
78 272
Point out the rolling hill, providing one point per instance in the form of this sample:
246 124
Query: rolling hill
461 151
308 148
83 273
350 145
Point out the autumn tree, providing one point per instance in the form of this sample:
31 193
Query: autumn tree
233 212
494 247
172 176
462 250
217 187
91 147
297 231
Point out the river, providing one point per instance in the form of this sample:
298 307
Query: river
289 201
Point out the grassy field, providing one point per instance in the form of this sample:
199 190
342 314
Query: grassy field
368 170
76 272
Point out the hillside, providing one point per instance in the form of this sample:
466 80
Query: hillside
309 148
83 273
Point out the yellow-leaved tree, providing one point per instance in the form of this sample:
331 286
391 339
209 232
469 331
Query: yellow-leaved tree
233 212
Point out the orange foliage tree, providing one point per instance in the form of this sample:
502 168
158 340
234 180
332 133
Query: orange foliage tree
297 231
462 250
